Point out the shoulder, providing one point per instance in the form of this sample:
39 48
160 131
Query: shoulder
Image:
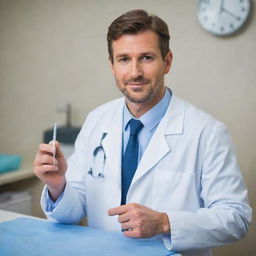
194 117
198 127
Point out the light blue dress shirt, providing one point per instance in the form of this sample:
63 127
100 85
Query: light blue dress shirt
150 121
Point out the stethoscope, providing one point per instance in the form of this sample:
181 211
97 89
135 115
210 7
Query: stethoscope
99 160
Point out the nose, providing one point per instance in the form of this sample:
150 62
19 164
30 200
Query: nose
136 69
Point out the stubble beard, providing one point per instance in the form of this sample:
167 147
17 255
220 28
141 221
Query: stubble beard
150 94
150 91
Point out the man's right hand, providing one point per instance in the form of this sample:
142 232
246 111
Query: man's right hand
51 175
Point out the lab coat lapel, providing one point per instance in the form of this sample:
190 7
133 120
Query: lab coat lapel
112 143
160 145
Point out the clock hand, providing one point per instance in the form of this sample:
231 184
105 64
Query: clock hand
230 13
221 6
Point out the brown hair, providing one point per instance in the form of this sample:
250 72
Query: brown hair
136 21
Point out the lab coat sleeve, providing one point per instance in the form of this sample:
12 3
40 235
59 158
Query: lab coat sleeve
49 204
69 210
225 214
72 206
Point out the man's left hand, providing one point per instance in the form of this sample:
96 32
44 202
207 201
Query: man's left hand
139 221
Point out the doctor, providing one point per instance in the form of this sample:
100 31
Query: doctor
149 164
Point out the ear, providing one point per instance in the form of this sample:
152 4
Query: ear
168 62
111 64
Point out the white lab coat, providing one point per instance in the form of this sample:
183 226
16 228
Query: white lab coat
188 170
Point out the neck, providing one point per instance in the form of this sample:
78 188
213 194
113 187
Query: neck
138 109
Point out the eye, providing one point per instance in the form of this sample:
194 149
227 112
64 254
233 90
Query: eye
123 59
147 58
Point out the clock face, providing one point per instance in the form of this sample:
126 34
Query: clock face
223 17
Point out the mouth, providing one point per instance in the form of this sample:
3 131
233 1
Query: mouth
136 83
136 86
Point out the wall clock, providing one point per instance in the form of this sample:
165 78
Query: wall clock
223 17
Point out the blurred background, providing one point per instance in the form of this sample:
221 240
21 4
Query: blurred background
54 52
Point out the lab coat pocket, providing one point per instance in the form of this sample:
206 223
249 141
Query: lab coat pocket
99 184
94 184
175 190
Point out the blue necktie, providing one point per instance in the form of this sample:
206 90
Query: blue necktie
130 158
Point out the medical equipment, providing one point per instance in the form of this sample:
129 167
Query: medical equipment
99 159
54 141
67 133
98 163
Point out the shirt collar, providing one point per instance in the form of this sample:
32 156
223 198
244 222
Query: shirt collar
153 116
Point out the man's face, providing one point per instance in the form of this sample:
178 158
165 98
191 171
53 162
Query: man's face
139 68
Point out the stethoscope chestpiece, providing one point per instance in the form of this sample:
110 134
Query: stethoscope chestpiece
99 175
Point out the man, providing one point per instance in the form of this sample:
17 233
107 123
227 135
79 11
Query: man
149 163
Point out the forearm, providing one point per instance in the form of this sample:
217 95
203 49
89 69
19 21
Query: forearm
207 228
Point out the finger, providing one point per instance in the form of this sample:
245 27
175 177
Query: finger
132 232
124 218
118 210
43 169
123 209
126 227
46 159
42 158
46 148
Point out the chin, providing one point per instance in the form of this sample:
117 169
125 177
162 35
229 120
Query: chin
137 99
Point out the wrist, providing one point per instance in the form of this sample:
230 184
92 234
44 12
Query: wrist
55 192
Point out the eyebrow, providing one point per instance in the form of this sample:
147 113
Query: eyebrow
122 55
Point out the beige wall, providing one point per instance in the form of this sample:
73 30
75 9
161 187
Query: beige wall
53 52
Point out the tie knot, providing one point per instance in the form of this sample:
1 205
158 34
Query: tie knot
135 127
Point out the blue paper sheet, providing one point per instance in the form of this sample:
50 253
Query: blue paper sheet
32 237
